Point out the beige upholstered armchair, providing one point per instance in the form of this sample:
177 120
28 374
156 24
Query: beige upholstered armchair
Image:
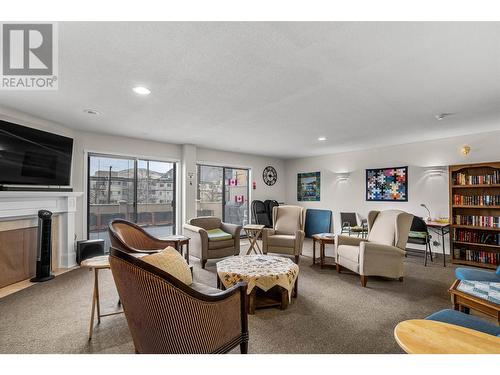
212 239
287 234
382 253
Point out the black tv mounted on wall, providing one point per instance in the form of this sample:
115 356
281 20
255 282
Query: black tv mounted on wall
32 159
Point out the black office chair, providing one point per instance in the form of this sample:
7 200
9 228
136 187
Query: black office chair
259 214
419 235
270 204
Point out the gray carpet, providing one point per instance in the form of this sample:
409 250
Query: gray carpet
333 313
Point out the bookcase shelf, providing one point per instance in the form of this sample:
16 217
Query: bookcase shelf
478 244
464 249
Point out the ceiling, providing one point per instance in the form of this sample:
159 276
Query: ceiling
272 88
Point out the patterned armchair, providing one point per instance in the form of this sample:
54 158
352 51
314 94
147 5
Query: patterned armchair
131 238
165 315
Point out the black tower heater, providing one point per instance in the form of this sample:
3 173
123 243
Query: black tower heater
44 247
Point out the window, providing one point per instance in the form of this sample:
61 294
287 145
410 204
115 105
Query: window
223 192
141 191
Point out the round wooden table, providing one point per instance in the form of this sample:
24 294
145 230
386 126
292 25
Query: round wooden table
96 264
420 336
267 273
323 239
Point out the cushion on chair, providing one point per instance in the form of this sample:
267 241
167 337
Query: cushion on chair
218 235
472 274
414 234
384 228
464 320
281 240
172 262
498 270
348 252
288 219
212 245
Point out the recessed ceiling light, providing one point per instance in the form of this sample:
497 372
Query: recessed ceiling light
321 139
442 116
91 111
141 90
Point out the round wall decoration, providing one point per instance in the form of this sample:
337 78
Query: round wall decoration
269 175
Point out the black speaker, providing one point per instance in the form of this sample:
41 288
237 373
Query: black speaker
44 247
88 249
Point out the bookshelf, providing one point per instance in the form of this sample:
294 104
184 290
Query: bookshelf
475 214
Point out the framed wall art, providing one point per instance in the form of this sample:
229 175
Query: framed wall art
387 184
308 186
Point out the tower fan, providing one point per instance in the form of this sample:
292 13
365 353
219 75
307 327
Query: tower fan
44 247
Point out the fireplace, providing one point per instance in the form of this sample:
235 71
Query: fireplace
18 232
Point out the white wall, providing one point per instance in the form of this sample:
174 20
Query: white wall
92 142
256 164
349 196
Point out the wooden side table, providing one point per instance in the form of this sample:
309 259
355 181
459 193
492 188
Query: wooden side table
253 232
420 336
96 264
180 241
463 302
323 239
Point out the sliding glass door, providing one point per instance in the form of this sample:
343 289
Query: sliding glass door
223 192
140 191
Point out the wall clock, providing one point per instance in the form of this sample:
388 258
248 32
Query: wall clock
269 175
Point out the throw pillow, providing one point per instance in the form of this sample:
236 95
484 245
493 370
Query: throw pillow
172 262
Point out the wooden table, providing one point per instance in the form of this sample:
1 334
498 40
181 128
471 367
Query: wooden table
323 239
441 229
463 302
253 232
420 336
180 241
270 279
96 264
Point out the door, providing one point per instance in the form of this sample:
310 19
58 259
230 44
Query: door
223 192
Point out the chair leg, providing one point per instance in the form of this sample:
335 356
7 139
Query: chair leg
244 348
338 267
203 263
297 258
364 280
425 256
401 279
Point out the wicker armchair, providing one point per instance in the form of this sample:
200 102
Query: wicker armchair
165 315
131 238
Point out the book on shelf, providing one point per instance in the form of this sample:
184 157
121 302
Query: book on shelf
476 200
486 179
477 221
478 256
480 238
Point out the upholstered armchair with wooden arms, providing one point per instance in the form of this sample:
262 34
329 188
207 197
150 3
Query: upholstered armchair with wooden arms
131 238
382 252
212 239
287 234
165 315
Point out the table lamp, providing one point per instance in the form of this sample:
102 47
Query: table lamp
428 218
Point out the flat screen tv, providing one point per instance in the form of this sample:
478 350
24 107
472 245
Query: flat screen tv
33 157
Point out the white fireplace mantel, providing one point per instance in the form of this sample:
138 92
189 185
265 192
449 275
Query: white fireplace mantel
26 204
